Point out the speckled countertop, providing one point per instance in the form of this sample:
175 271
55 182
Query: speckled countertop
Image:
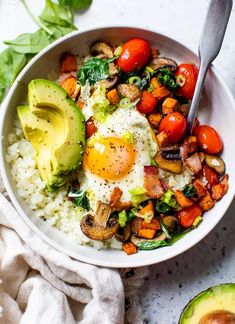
171 284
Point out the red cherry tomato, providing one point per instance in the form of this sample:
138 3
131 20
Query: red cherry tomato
147 102
90 127
174 125
210 175
208 139
188 215
189 74
134 55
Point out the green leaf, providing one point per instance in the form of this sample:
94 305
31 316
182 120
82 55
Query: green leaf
94 70
76 4
169 199
57 14
79 198
58 31
162 207
167 78
165 230
30 43
151 245
189 191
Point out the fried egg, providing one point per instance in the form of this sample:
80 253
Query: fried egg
116 155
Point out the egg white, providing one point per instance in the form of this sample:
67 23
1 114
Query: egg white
123 120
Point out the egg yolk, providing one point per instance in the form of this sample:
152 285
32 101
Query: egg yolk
109 158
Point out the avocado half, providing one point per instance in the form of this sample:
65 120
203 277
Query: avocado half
55 126
214 305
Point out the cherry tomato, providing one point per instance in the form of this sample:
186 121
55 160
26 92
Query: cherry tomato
174 125
90 127
188 215
210 175
134 55
147 102
189 74
208 139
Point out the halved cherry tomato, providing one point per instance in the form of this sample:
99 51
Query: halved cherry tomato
134 55
208 139
210 175
188 215
188 73
174 125
147 102
90 127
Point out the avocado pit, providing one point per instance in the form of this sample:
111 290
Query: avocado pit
218 317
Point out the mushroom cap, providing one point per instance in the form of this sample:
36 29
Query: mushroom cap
102 48
129 91
163 62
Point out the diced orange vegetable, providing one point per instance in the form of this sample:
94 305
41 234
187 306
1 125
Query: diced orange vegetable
169 106
192 139
148 210
80 104
161 93
154 224
162 139
129 248
200 188
154 119
69 85
206 202
68 63
155 52
220 189
146 233
115 195
182 200
119 206
154 83
113 96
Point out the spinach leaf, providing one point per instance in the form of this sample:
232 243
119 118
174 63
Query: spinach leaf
165 230
30 43
189 191
58 31
162 207
151 245
79 198
94 70
167 78
57 14
76 4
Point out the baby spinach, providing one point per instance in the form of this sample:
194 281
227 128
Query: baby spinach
162 207
151 245
189 191
79 198
76 4
94 70
167 78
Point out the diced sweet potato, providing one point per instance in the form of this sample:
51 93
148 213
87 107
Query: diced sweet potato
220 189
154 119
154 224
154 83
148 210
182 200
161 93
80 104
162 139
68 63
129 248
115 195
169 106
200 188
113 96
206 202
146 233
69 85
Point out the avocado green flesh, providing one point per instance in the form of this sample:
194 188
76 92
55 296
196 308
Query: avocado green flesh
55 127
218 298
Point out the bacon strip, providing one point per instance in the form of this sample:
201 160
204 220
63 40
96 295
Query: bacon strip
152 183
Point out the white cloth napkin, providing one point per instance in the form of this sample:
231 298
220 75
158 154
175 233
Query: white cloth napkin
40 285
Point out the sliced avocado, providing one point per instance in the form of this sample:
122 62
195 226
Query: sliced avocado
210 306
55 126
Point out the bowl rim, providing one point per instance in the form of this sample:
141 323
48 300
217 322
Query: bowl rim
22 213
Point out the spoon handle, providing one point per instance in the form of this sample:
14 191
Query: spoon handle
210 43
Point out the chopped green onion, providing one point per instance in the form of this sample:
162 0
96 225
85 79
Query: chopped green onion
148 68
136 80
150 88
197 221
118 50
124 103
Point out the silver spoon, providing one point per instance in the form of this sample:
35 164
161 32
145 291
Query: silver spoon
210 43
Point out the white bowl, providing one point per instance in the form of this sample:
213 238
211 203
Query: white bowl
217 109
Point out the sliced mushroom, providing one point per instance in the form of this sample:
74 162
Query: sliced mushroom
100 227
169 159
169 221
215 163
129 91
123 234
113 70
136 224
163 62
102 48
109 83
135 240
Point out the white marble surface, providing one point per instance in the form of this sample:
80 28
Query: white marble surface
212 261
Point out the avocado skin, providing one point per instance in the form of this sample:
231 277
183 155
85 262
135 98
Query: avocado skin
221 296
56 128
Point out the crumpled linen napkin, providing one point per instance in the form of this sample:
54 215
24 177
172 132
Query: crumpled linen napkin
39 284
